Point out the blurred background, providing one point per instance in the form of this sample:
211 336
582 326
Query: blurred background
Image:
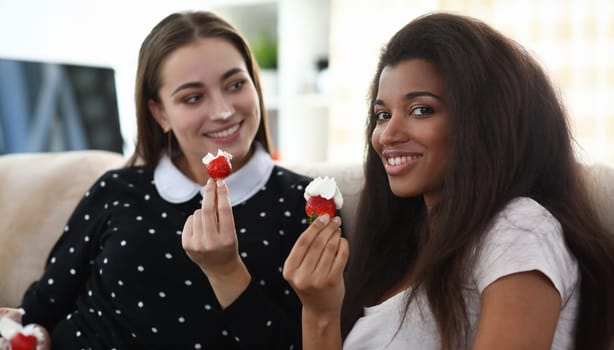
67 67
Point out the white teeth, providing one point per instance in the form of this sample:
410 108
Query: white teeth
224 133
401 159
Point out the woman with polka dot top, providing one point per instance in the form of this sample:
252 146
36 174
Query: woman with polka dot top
158 256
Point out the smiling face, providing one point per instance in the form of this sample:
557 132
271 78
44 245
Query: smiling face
209 101
411 132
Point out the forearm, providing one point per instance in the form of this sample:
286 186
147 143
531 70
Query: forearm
321 331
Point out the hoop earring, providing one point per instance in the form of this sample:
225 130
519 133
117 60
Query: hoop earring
169 142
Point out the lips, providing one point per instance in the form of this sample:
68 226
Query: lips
399 160
223 133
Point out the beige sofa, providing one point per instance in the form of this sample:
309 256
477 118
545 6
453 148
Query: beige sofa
38 191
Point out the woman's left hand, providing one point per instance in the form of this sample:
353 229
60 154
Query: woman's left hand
42 344
314 268
43 339
45 342
210 240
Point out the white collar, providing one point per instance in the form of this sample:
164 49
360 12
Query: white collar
175 187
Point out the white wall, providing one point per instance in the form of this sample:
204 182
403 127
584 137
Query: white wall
99 33
572 39
109 33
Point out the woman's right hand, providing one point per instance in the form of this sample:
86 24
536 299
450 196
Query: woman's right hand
315 267
209 238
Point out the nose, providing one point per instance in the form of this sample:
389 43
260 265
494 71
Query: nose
394 130
219 107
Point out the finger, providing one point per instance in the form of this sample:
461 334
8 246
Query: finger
341 259
188 229
207 200
209 209
199 237
224 210
302 245
45 344
12 313
188 232
338 219
318 246
329 251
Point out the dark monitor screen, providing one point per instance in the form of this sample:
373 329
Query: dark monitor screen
50 107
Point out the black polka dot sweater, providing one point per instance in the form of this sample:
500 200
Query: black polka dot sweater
118 278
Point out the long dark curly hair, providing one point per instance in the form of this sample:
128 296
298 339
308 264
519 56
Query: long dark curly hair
509 137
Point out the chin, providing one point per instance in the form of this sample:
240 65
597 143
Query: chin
404 192
400 187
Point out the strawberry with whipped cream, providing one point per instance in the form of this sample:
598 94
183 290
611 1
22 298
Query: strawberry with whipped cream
20 337
218 166
323 197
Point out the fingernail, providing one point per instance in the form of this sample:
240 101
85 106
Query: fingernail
337 220
209 180
324 218
219 182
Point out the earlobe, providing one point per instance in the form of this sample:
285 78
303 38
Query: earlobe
158 114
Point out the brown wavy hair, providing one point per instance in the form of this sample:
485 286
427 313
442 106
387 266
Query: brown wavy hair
509 137
175 31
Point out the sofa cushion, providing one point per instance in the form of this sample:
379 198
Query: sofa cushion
38 193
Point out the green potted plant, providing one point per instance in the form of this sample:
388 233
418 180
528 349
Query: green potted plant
264 48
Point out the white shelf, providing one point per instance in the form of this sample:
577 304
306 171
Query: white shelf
311 100
250 17
302 31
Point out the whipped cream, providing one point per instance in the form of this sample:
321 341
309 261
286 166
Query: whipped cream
325 187
209 156
9 328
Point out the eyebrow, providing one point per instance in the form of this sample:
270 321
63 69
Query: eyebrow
410 96
196 84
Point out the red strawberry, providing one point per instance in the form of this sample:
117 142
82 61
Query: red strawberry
318 205
23 342
218 166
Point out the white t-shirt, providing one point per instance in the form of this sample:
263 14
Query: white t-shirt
524 237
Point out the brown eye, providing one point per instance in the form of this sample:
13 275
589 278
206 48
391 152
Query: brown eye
382 115
237 85
191 99
421 111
